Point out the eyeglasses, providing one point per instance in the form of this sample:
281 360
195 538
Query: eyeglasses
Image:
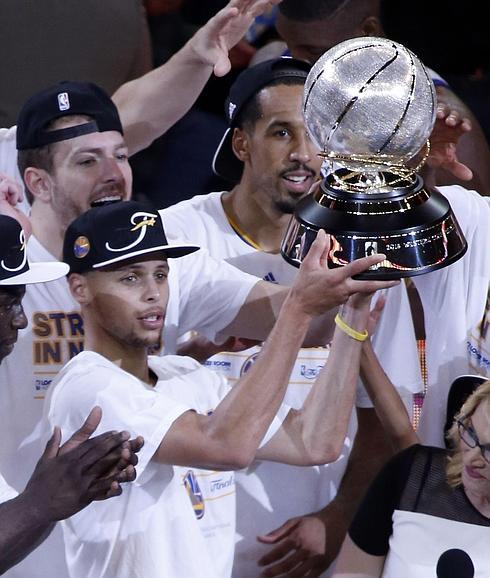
468 435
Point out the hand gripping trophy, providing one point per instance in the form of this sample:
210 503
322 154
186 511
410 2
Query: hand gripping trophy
369 105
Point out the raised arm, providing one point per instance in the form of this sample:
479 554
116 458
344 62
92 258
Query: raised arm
64 481
229 438
151 104
315 433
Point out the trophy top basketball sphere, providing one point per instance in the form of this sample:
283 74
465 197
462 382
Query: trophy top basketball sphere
369 99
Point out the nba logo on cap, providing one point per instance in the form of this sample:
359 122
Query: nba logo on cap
63 101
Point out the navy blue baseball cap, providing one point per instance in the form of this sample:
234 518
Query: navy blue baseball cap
248 83
64 99
116 232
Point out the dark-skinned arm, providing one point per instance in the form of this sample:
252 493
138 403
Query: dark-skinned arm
64 481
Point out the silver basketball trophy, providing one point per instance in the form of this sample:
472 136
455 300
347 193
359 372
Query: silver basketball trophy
370 105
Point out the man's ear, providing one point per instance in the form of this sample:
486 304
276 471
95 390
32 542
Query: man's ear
240 144
79 288
39 183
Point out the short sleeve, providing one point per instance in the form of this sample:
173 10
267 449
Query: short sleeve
126 405
205 295
372 525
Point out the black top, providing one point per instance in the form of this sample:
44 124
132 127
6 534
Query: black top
413 481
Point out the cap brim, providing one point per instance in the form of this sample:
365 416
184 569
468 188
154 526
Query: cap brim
171 251
38 273
225 163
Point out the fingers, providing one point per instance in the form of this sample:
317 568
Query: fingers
286 565
53 445
279 533
460 170
318 251
277 553
94 449
136 444
86 430
356 286
361 265
103 489
126 475
10 190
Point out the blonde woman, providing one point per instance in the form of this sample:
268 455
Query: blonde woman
428 511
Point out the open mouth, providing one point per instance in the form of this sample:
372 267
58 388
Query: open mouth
106 200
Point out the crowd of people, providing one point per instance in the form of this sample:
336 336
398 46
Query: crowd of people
225 413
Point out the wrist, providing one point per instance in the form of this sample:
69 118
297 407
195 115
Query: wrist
194 52
355 319
294 307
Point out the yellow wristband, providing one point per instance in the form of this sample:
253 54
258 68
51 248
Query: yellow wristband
341 324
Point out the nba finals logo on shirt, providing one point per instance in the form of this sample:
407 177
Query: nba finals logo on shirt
63 101
195 494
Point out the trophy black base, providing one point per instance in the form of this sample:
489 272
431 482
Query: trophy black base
414 227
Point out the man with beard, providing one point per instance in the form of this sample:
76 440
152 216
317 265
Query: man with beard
268 153
66 478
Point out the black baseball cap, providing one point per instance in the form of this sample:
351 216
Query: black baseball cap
64 99
117 232
15 268
246 86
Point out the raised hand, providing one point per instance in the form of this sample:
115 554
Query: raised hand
11 194
214 40
321 289
450 126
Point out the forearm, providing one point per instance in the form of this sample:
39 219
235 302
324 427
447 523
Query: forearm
244 415
151 104
388 405
369 453
317 431
23 526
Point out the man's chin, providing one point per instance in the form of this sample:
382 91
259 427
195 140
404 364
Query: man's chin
287 207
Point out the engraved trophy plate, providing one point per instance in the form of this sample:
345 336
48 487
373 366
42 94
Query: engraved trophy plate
369 105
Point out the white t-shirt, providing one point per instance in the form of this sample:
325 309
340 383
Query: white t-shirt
268 493
173 521
455 304
203 294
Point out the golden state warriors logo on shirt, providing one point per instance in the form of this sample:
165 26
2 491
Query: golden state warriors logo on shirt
195 493
140 222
